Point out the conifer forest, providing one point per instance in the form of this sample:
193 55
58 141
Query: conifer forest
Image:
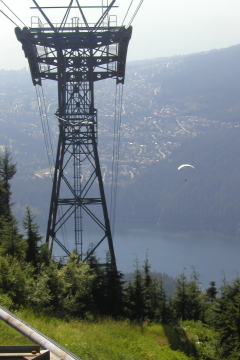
88 290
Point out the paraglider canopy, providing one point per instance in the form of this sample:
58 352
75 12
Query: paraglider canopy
185 165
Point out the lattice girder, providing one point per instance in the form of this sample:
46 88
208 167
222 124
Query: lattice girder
76 57
106 47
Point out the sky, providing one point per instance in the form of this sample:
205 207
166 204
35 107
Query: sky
161 28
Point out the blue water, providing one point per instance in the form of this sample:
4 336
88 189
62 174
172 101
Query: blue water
213 256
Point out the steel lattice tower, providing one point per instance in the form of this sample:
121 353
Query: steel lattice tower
76 55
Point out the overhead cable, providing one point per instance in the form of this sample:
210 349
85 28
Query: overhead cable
48 132
118 150
113 182
13 14
51 157
49 147
135 13
127 12
115 155
8 18
47 138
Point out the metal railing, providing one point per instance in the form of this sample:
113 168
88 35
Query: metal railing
36 336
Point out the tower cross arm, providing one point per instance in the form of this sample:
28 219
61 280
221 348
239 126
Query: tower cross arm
78 39
100 41
122 54
30 52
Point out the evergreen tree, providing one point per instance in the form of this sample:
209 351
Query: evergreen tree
107 290
145 296
98 288
113 290
135 296
33 237
195 305
11 242
44 254
48 281
188 301
147 285
179 300
227 319
154 295
3 202
159 301
16 279
7 170
211 292
78 281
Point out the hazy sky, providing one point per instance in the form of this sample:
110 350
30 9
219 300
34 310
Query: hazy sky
161 27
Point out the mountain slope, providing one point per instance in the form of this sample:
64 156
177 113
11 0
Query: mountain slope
175 110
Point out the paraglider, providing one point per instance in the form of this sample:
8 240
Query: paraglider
185 165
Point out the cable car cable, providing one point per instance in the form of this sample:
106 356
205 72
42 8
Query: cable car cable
49 150
116 151
8 18
127 12
13 13
135 13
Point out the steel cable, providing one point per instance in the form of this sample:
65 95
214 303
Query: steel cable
48 135
135 13
8 17
49 148
127 12
113 159
46 140
116 152
13 14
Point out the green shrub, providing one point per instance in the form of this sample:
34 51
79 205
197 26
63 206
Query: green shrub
5 301
201 340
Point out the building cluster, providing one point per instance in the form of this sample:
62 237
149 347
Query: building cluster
144 123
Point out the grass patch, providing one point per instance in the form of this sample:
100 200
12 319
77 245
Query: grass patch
10 336
102 340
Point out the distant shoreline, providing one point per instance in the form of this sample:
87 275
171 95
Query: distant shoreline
146 226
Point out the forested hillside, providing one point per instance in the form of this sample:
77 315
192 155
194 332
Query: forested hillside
195 321
175 110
